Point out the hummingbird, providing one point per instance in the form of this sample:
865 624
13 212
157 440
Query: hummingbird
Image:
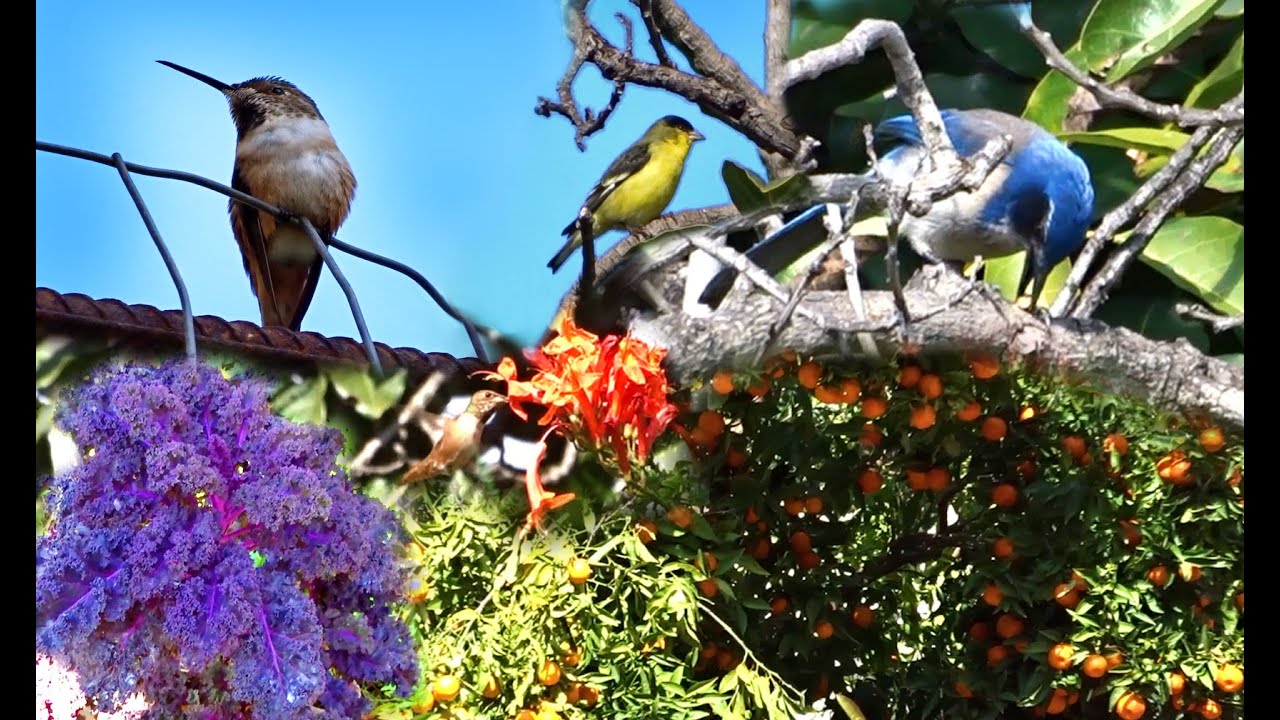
459 440
286 156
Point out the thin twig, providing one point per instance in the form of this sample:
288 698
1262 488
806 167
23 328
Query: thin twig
759 277
318 242
777 36
588 123
188 320
1120 97
1189 181
1120 216
1219 323
655 35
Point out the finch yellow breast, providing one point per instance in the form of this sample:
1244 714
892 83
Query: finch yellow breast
637 187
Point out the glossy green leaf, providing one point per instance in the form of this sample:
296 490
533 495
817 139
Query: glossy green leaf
1230 9
372 398
749 192
1223 82
1148 30
1140 138
1204 255
303 402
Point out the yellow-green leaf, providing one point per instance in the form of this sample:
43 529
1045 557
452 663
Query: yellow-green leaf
1223 81
1005 272
1204 255
1141 138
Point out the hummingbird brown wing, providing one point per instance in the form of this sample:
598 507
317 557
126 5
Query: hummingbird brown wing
294 286
246 225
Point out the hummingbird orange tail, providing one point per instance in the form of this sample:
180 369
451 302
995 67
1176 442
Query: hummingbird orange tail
288 295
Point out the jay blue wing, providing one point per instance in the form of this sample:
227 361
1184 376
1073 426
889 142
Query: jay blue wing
1039 199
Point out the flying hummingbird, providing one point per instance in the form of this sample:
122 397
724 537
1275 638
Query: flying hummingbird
460 439
286 156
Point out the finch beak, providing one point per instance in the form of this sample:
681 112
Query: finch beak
216 84
695 136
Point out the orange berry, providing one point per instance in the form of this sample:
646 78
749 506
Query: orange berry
970 412
708 587
727 660
722 382
446 688
579 571
788 356
1158 575
1026 412
793 506
1002 548
1074 445
1114 658
549 673
750 517
735 459
1132 536
962 690
1240 601
708 651
707 563
1116 443
1004 495
590 696
850 390
870 481
1211 439
760 386
930 386
824 629
863 616
917 480
1057 702
923 416
871 436
711 422
1094 666
1020 645
761 548
489 686
909 376
1130 706
1060 656
813 504
994 428
1026 469
1210 709
829 394
1066 595
984 366
572 655
1189 572
1229 678
997 654
680 516
801 543
424 704
808 374
1175 468
873 407
1177 683
1009 626
938 478
808 561
980 632
992 595
779 604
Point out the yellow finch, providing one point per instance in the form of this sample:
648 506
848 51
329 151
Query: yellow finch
638 185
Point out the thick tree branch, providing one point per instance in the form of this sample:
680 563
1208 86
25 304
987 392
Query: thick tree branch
1169 375
704 56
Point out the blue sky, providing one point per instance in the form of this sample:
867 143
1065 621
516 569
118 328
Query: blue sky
432 103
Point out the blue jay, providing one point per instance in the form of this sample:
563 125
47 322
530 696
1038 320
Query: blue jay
1039 199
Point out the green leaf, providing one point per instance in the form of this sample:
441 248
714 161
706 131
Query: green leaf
750 192
1229 177
1205 255
372 398
1230 9
1004 273
1154 140
304 401
1223 82
850 707
1148 29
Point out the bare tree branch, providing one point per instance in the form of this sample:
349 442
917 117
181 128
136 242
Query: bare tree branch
777 36
1127 99
1218 323
588 122
1188 181
1170 375
655 35
704 56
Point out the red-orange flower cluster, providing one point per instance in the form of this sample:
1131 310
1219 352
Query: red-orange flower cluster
609 394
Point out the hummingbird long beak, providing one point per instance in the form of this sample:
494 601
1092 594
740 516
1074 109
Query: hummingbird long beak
217 84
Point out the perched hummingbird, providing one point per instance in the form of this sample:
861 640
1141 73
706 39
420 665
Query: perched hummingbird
286 156
460 439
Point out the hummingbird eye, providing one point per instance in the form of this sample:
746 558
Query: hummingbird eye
277 90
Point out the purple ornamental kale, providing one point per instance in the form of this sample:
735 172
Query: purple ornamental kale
211 555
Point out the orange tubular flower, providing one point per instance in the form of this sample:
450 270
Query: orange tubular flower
609 394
